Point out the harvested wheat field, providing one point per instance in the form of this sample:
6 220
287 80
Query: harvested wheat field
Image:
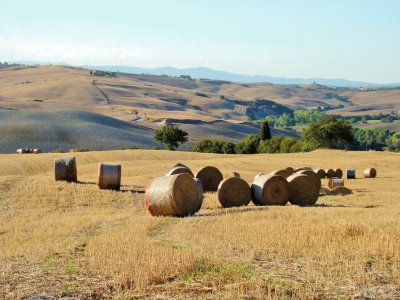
60 239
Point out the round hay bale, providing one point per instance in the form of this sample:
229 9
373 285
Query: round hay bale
313 176
37 151
179 170
370 173
351 173
330 173
258 175
22 151
233 192
334 182
210 178
199 191
303 190
175 195
180 165
109 176
65 169
232 174
270 190
284 173
324 191
338 173
290 169
321 173
341 190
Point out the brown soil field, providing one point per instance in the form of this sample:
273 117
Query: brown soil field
75 241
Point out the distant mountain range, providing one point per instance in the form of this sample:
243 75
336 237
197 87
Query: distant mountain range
208 73
202 72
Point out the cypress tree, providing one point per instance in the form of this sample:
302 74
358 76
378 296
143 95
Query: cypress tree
265 131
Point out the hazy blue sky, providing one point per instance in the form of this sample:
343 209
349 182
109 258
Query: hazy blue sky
358 40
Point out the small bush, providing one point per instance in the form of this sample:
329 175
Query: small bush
214 146
58 150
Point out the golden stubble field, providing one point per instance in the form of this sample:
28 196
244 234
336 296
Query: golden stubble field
75 241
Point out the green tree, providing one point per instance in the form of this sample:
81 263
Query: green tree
170 136
271 146
249 145
288 145
265 131
327 132
214 146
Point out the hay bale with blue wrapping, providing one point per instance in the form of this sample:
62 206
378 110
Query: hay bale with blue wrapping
350 173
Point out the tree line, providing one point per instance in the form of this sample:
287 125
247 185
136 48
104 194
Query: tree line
325 132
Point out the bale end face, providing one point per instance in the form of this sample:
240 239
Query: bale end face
210 178
313 176
321 173
175 195
284 173
179 170
338 173
270 190
303 190
109 176
330 173
65 169
370 173
233 192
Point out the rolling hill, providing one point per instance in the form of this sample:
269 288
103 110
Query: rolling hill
38 98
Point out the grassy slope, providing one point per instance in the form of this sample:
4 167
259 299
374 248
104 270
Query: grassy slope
100 243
